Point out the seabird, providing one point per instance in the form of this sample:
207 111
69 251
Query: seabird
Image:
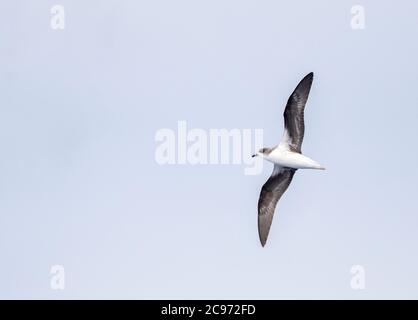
287 157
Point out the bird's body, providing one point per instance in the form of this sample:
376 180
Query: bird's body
287 157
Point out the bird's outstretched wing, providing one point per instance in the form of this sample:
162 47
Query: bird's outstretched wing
294 125
270 194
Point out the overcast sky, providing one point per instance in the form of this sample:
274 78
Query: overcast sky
80 186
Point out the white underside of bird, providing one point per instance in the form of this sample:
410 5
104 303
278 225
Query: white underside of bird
282 156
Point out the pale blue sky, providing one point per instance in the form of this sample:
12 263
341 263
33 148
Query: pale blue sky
79 185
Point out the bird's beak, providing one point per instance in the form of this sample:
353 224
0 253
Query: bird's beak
254 155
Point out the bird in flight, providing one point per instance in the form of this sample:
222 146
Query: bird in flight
287 157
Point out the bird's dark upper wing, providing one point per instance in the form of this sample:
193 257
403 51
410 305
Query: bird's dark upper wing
270 194
294 114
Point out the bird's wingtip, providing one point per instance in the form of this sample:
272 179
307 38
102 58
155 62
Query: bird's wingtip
263 239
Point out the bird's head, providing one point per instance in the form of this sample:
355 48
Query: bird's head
262 152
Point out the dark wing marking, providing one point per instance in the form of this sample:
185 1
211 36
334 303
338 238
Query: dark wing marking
270 194
294 114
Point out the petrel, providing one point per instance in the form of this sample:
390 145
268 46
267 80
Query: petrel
287 157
